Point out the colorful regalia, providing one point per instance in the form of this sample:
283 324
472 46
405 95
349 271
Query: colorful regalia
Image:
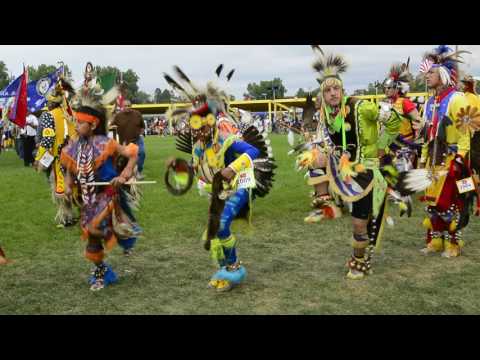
324 200
469 85
106 212
446 175
220 145
349 138
403 152
57 128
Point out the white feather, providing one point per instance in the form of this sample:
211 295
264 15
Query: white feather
444 76
110 96
418 180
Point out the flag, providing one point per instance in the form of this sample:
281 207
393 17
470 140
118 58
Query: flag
38 90
13 100
107 81
7 95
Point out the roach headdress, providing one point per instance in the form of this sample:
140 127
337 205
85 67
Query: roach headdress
89 105
328 66
446 60
91 100
469 84
399 77
208 100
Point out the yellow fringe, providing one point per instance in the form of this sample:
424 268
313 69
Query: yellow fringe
382 228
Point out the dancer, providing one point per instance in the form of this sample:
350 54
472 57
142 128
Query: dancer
445 175
469 89
405 150
57 129
105 211
347 149
233 167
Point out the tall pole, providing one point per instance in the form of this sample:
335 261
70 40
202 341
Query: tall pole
274 105
62 65
456 58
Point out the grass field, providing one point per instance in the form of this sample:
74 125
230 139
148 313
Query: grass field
293 268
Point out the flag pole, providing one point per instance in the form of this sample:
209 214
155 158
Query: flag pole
62 65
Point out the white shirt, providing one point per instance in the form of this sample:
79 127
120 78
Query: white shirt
30 130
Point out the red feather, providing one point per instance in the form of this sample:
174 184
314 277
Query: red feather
328 212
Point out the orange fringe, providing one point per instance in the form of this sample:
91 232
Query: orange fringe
132 150
110 149
84 235
68 162
226 128
95 257
111 242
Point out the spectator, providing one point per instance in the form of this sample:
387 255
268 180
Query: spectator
29 134
130 129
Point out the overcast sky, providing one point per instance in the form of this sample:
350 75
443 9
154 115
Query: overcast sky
252 63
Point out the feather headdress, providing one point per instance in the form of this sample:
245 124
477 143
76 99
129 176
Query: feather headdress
93 103
328 66
60 90
416 180
469 84
211 98
400 77
446 60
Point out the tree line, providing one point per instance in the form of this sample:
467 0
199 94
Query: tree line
263 90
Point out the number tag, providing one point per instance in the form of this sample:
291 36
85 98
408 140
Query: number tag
246 179
465 185
46 160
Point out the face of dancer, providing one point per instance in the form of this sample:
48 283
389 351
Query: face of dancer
433 79
84 129
333 95
390 91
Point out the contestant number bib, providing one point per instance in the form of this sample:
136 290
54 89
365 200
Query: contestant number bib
465 185
46 159
246 179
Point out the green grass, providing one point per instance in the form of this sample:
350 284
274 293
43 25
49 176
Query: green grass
293 268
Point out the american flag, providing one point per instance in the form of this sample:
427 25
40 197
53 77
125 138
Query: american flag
425 66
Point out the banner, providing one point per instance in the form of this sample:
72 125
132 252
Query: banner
13 100
36 93
38 90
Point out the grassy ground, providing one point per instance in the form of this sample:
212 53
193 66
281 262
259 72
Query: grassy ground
293 268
